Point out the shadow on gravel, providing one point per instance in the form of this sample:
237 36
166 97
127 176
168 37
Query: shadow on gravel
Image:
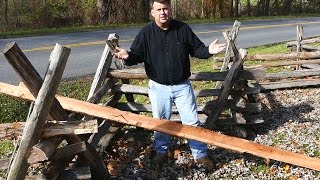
275 114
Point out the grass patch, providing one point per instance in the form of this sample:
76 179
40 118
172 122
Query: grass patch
13 109
6 147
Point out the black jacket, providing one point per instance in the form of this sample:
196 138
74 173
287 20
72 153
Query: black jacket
166 53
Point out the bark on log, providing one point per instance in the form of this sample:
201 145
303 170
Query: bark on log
69 151
175 129
43 151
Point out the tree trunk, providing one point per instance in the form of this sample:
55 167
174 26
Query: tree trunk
267 8
248 8
5 12
231 9
236 8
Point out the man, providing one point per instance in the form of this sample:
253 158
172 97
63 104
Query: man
165 46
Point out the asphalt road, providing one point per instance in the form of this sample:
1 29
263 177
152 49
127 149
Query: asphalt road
87 47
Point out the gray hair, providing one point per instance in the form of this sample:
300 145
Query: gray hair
159 1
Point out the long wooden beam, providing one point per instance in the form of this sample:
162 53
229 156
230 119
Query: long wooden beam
173 128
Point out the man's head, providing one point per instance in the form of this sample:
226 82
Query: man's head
161 11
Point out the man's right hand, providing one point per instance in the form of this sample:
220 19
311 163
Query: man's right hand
121 53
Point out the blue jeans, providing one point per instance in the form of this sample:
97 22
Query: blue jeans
162 97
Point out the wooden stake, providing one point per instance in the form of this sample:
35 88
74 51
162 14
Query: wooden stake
35 123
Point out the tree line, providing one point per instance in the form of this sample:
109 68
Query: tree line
31 14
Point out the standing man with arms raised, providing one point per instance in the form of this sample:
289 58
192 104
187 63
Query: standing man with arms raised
165 46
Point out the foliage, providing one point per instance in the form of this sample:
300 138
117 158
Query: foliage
26 14
12 109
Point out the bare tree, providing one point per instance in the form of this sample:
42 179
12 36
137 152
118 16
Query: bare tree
5 12
248 8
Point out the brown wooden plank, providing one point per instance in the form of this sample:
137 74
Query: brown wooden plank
175 129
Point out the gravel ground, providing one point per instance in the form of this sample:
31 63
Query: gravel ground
291 123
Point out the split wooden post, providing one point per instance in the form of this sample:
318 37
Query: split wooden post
300 37
230 37
106 131
103 67
227 86
36 122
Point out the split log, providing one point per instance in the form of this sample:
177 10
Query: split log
311 66
135 107
287 84
304 41
252 74
71 127
52 128
310 48
134 89
293 74
175 129
103 67
36 122
291 56
69 150
100 140
280 63
43 151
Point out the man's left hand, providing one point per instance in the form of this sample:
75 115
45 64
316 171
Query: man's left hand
215 48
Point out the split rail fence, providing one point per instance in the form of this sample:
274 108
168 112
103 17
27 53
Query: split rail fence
49 122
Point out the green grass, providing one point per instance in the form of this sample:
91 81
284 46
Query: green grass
6 147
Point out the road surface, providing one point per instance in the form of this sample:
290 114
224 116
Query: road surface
87 47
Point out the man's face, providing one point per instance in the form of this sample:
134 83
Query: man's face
161 13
